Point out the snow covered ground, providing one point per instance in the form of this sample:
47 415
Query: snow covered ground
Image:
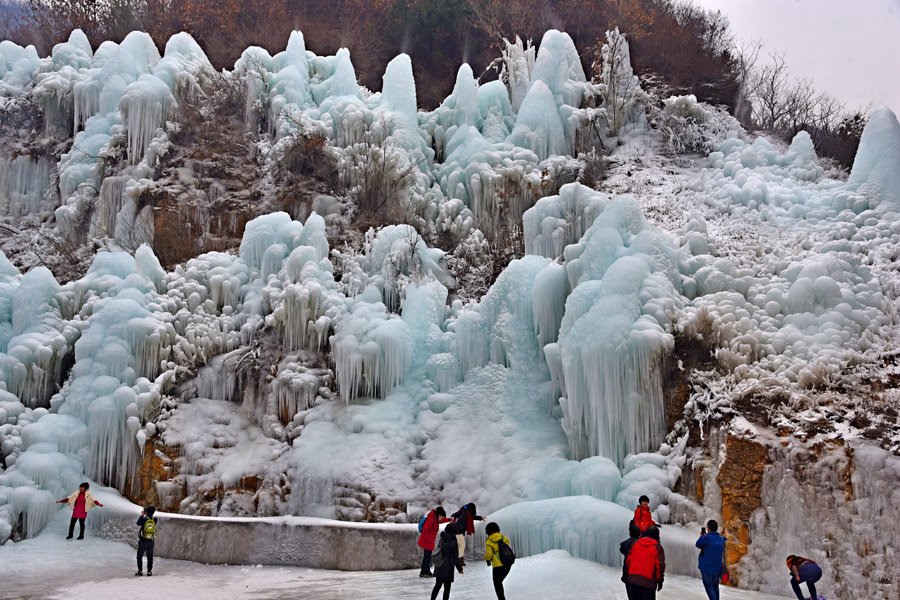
49 568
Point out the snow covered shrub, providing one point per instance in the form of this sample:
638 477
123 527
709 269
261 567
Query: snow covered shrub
593 172
690 126
379 173
306 153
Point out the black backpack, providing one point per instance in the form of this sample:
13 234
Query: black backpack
507 556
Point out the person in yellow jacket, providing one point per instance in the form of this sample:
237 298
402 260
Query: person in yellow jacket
81 502
492 556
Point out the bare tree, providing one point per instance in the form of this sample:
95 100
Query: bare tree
769 105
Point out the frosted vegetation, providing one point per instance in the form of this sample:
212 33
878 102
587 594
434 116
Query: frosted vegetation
547 388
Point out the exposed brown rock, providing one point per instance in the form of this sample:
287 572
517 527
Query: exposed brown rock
156 465
740 479
183 230
849 491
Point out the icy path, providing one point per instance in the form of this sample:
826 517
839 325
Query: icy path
51 568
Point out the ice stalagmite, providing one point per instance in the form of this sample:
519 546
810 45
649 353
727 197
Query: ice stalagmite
876 168
558 66
17 67
399 91
538 124
341 97
497 117
288 86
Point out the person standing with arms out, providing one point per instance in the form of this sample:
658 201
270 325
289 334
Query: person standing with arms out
146 535
646 566
428 537
499 556
634 535
804 570
712 558
443 570
81 503
642 517
464 521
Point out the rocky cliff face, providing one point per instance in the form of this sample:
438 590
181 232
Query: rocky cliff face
779 495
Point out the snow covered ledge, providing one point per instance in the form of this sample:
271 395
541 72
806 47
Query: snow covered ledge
297 541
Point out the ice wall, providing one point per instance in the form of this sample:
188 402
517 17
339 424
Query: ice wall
617 324
113 105
115 339
24 181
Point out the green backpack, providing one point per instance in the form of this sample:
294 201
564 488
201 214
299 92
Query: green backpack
148 530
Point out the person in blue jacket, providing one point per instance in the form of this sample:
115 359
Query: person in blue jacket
712 558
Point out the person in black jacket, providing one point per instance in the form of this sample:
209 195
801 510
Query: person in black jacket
146 535
463 525
634 533
443 574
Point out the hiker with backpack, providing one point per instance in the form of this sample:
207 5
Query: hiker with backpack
445 558
146 535
81 503
642 517
428 531
634 534
804 570
646 566
712 558
464 524
499 556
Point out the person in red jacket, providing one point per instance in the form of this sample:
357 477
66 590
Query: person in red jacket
642 517
428 537
81 502
646 566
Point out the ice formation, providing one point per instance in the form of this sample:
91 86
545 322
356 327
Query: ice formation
875 166
341 381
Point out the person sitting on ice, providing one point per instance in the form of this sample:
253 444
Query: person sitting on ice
634 534
428 537
646 566
463 525
146 535
642 517
81 503
712 558
804 570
